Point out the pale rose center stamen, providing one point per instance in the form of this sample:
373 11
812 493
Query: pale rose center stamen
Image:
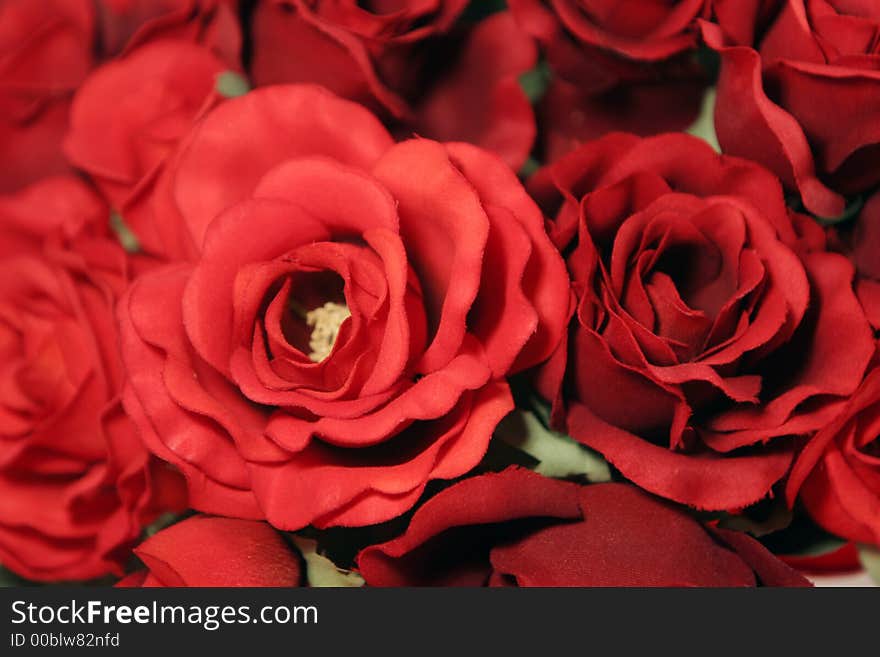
326 321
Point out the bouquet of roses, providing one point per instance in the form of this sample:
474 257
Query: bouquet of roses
438 292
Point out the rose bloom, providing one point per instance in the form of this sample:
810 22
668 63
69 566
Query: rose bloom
616 65
207 551
76 484
799 93
837 475
45 53
47 49
518 528
350 309
159 89
413 62
127 24
707 335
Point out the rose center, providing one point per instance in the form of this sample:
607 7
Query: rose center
326 321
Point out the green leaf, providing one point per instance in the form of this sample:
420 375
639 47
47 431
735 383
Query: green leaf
529 167
163 521
477 11
558 455
870 558
534 83
704 126
320 571
127 238
231 84
10 579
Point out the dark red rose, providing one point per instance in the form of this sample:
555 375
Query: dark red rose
128 24
76 484
707 337
517 528
158 90
245 368
802 99
742 21
410 61
45 53
860 242
615 66
837 475
644 30
208 551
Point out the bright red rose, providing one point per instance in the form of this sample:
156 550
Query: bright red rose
45 53
706 337
76 484
517 528
158 91
411 62
837 475
615 66
803 97
128 24
207 551
352 307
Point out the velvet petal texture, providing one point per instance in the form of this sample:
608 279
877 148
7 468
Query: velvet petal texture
295 205
159 89
415 64
614 66
798 93
519 528
209 551
837 475
128 24
698 296
76 483
45 53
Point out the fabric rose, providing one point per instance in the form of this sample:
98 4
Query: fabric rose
158 90
707 337
801 98
859 240
128 24
208 551
412 62
518 528
615 66
837 475
76 484
45 53
343 330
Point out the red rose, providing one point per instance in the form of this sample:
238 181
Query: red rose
411 62
353 306
206 551
517 528
615 66
860 242
76 484
837 475
703 343
158 91
45 52
61 207
802 99
127 24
